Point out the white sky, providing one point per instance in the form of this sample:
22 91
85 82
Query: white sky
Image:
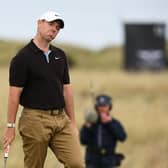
90 23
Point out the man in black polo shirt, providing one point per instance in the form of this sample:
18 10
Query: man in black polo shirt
39 81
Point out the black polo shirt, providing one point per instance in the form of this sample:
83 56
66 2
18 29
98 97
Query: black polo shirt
42 82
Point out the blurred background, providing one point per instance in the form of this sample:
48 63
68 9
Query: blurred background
114 47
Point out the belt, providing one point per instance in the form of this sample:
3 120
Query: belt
54 112
49 112
101 151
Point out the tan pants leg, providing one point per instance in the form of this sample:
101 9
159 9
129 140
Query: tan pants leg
66 146
35 142
40 130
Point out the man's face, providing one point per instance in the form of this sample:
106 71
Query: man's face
48 30
103 109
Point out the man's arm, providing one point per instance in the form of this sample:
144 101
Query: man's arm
69 105
13 103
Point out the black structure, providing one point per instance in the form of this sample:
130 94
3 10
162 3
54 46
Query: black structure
145 46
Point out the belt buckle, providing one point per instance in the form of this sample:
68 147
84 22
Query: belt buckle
54 112
103 151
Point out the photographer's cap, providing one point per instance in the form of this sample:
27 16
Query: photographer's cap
103 100
51 16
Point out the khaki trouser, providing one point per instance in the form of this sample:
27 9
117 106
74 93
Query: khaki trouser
40 130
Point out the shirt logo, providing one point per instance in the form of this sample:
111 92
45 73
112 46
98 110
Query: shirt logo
56 58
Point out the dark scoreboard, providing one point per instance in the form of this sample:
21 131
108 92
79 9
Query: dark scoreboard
145 46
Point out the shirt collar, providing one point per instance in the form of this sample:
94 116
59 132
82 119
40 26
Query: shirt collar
36 49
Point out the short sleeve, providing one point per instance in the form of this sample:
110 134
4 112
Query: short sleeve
66 77
18 71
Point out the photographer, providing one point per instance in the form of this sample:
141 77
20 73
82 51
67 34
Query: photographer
101 135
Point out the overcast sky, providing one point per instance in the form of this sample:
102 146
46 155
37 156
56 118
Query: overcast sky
90 23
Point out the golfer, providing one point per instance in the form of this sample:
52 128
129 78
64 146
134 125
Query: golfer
39 81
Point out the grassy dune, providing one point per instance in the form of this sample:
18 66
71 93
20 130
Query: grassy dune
107 58
140 103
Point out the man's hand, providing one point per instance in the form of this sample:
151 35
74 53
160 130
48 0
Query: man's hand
105 118
13 103
9 136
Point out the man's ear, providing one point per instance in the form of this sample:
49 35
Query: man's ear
39 22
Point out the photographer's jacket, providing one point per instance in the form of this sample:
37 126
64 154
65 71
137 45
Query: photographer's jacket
101 140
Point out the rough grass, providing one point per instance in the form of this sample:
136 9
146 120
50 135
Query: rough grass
7 50
140 103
